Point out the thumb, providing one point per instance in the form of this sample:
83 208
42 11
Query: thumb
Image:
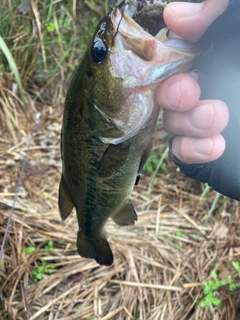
191 20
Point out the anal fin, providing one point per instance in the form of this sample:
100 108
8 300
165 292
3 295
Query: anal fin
64 201
126 216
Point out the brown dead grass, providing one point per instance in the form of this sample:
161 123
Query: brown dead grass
156 274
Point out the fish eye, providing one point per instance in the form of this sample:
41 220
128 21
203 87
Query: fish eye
98 50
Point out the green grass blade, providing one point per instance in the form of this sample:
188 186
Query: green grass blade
14 68
157 168
205 191
213 206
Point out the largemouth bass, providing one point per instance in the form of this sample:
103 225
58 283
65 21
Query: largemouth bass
109 117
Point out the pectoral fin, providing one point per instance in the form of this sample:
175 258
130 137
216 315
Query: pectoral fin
126 216
137 180
64 202
145 156
113 159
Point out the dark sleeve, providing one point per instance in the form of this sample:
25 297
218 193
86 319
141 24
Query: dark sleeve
219 76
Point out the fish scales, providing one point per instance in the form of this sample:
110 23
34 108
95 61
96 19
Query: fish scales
110 114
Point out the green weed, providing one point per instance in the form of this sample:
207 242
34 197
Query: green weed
30 250
41 44
39 272
178 234
176 244
236 266
212 287
49 246
14 68
155 163
152 162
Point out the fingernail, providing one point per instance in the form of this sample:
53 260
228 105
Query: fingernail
173 94
204 146
201 117
185 9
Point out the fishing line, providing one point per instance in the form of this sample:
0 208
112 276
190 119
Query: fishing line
122 7
37 116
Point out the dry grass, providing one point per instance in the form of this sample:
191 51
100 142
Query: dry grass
156 273
159 263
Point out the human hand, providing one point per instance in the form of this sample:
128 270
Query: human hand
196 124
198 148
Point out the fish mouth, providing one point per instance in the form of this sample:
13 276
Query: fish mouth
142 61
130 35
133 37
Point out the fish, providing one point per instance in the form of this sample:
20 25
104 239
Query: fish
110 114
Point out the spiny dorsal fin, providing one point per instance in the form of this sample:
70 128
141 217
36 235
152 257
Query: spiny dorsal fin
113 159
64 202
126 216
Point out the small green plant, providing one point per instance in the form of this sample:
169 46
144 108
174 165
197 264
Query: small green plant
210 290
178 233
30 250
236 266
175 243
232 285
151 162
39 272
49 246
214 284
50 26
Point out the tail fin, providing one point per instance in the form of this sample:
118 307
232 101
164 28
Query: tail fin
98 249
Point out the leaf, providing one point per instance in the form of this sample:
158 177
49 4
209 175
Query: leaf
49 246
232 286
14 68
39 276
236 265
216 302
214 275
43 263
29 250
178 234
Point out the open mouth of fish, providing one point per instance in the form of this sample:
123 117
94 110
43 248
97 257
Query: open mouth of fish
143 61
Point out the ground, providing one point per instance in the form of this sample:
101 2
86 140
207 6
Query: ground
184 231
